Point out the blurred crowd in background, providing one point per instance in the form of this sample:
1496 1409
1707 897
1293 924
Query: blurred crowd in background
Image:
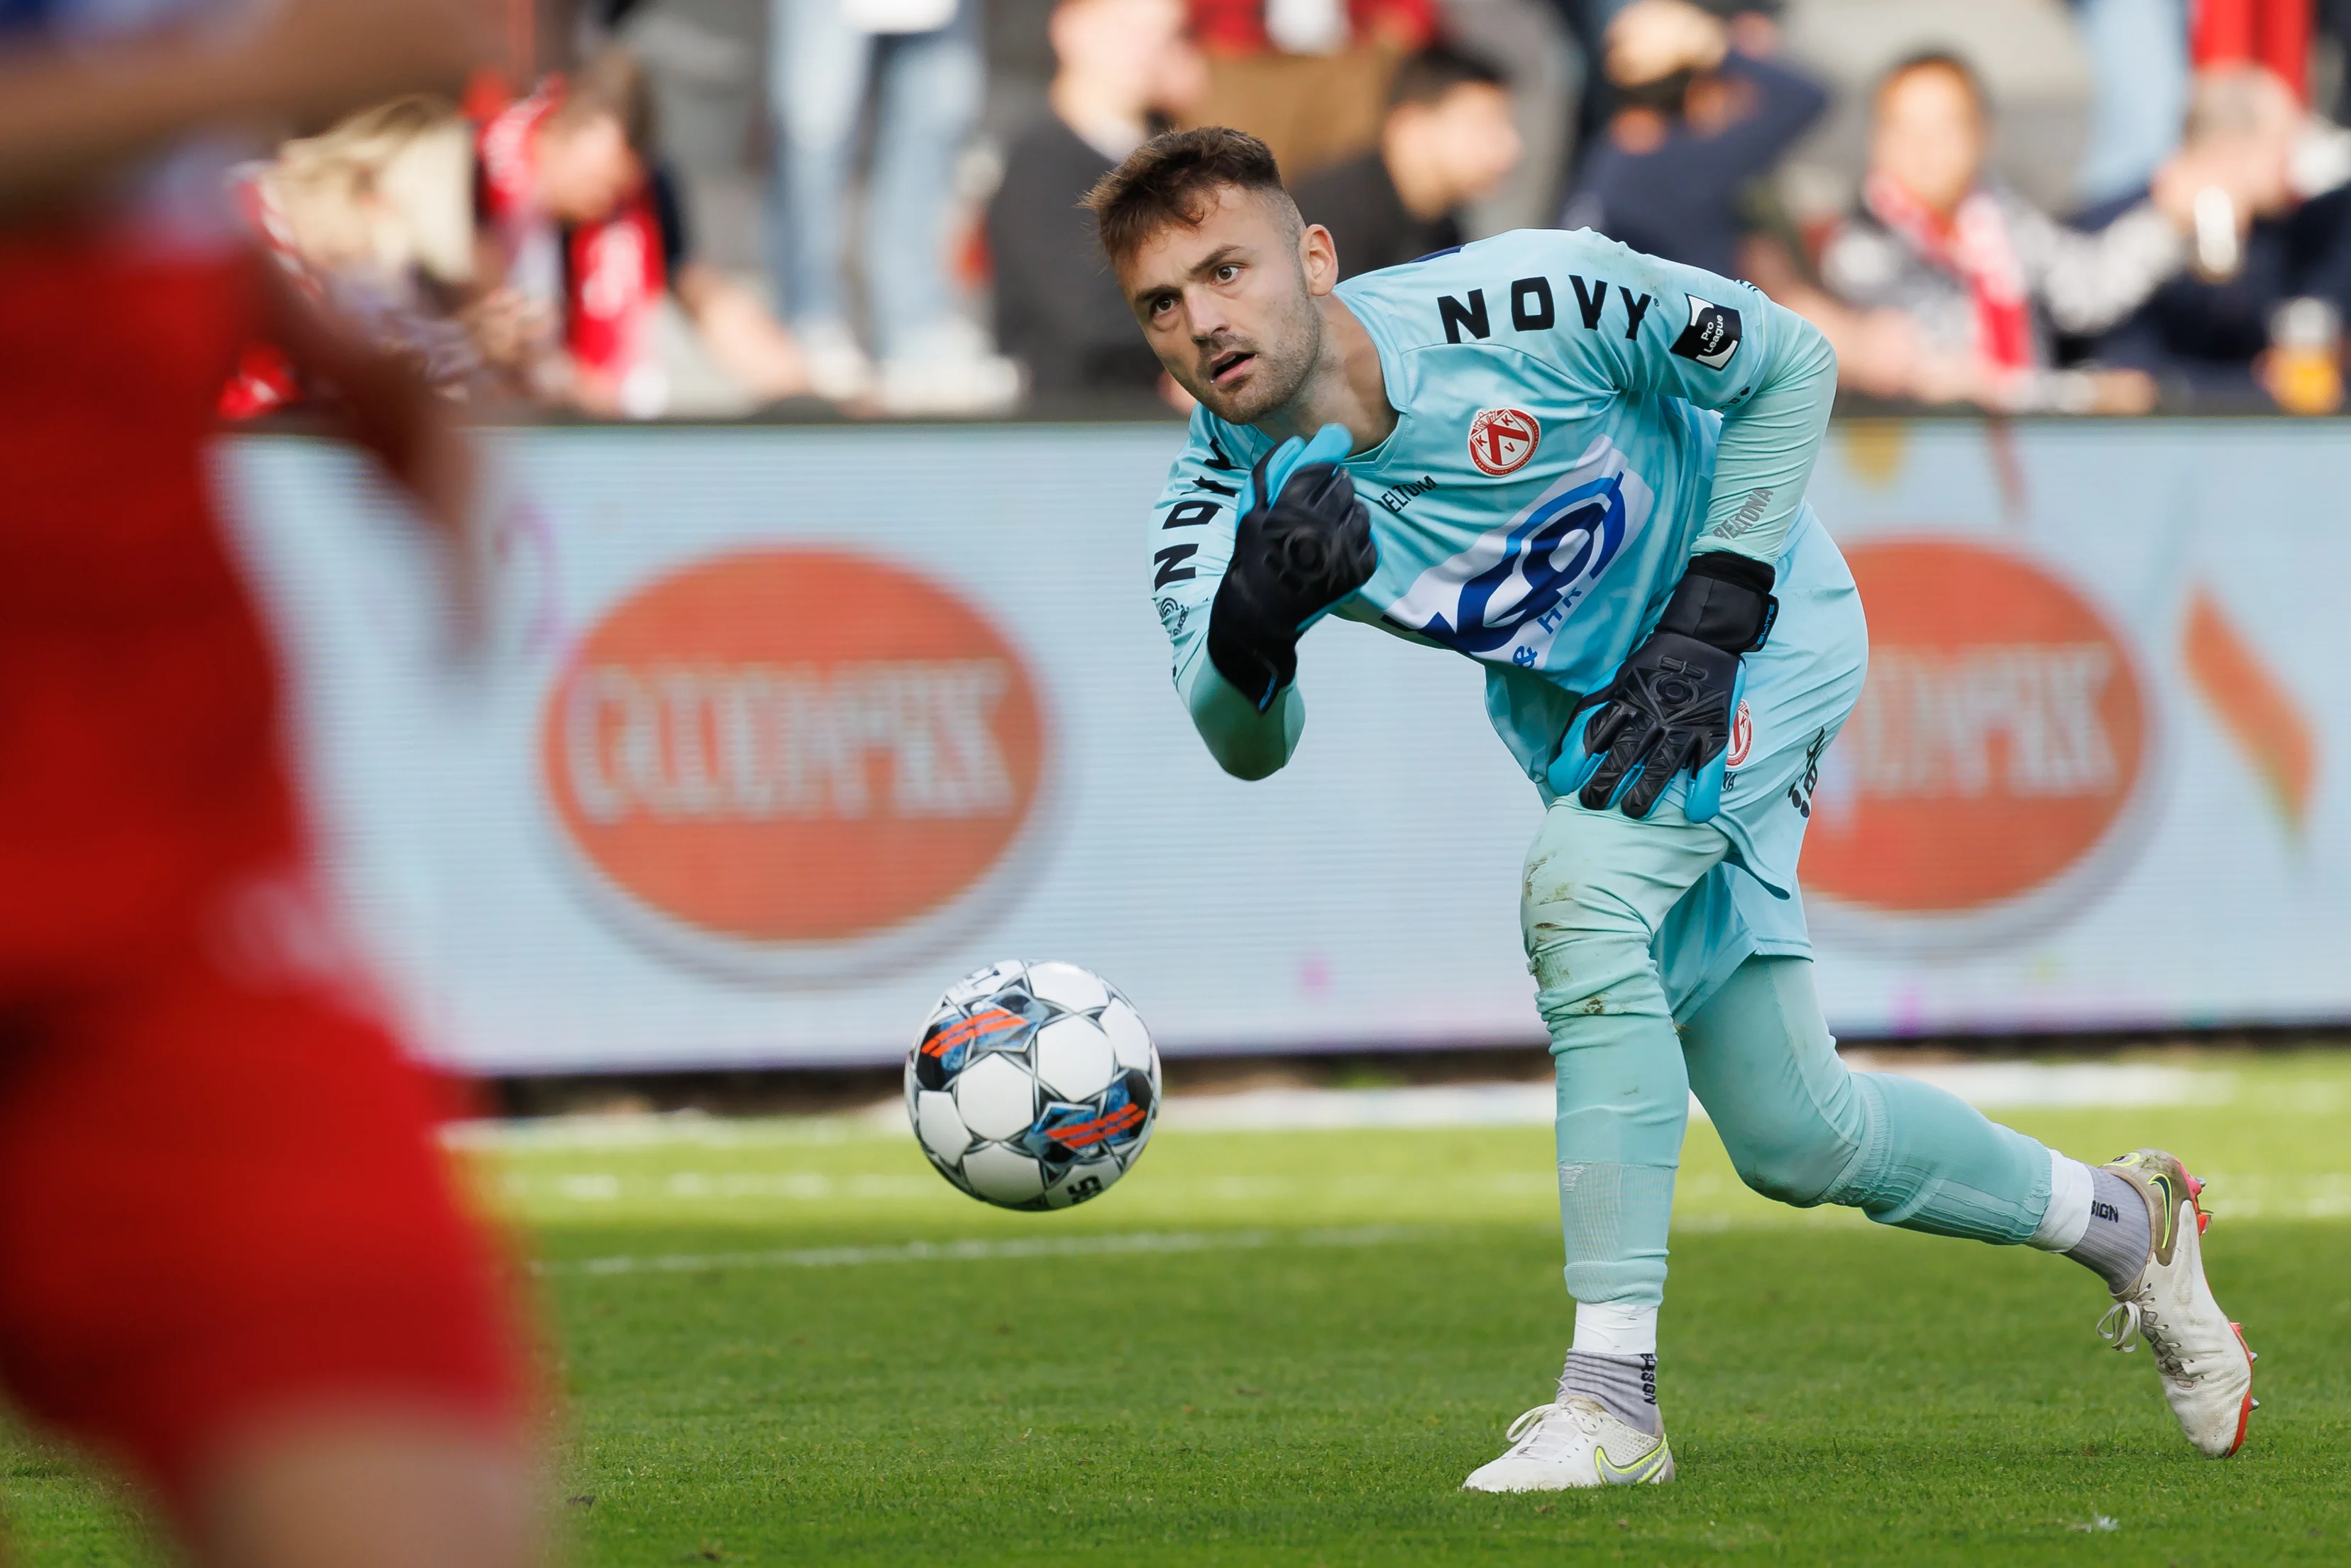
712 207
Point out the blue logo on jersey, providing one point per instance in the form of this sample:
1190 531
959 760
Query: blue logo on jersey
1548 563
1507 594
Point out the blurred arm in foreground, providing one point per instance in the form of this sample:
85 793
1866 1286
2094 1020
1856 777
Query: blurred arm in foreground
67 117
388 407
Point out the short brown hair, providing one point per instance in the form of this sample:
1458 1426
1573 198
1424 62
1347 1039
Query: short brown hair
1173 178
612 81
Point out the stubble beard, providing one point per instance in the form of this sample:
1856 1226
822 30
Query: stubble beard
1285 359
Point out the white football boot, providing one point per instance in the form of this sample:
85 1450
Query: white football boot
1574 1443
2208 1372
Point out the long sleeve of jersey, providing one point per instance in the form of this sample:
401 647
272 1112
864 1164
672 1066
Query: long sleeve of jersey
1716 344
1769 443
1192 542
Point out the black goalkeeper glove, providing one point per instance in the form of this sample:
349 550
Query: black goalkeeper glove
1302 544
1669 705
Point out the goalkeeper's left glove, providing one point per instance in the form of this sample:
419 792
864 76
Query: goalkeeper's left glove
1669 705
1302 543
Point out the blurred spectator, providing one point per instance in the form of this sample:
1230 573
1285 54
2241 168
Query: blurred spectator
2206 334
1542 67
1057 309
1699 121
586 233
1948 286
1448 139
1309 77
374 218
922 59
2137 52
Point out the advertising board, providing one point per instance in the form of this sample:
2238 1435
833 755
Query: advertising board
779 730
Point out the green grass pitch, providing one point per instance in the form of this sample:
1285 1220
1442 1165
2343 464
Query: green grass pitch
1289 1348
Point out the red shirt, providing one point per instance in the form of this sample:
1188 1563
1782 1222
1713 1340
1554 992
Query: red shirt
137 696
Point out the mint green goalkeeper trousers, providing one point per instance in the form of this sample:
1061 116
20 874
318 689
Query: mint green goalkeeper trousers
1800 1126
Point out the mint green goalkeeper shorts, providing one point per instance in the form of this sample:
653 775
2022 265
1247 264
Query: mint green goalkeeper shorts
1799 689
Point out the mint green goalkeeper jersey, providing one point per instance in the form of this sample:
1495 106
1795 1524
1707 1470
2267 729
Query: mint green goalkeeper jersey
1574 419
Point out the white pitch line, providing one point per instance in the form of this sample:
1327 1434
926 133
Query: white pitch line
1987 1085
975 1251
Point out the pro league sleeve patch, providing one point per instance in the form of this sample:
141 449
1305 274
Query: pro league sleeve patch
1712 335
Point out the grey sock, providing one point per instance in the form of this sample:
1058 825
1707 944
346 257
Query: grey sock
1624 1386
2120 1235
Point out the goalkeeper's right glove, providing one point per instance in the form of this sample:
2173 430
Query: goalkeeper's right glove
1303 543
1671 704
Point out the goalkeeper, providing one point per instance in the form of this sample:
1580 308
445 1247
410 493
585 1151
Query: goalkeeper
1588 470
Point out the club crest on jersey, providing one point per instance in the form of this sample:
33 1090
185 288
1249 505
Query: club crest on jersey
1505 597
1502 439
1742 737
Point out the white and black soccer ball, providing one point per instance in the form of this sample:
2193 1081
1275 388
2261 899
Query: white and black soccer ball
1033 1085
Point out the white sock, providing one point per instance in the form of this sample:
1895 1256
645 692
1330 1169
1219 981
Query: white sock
2070 1187
1612 1328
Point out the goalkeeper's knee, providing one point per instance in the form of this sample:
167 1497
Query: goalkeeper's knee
1595 976
1597 886
1788 1111
1800 1174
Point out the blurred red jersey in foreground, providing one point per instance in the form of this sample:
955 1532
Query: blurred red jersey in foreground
227 1240
137 692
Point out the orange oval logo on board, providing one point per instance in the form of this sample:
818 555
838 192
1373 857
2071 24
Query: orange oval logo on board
785 751
2001 739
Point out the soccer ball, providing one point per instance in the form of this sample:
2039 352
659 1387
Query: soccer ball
1033 1085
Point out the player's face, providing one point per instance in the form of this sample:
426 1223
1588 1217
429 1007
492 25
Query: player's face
1230 304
